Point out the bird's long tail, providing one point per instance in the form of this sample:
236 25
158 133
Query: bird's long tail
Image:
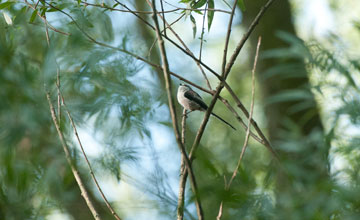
223 120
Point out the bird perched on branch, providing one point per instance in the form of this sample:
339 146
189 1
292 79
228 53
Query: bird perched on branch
192 101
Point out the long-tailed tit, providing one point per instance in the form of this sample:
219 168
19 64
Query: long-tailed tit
192 101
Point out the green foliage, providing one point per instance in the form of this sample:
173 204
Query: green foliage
100 86
334 83
211 5
110 95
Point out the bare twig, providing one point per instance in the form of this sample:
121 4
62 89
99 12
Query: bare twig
186 49
228 38
61 99
202 31
74 170
182 182
245 37
217 93
251 112
227 186
173 113
163 14
172 73
44 19
58 90
88 162
223 82
149 12
265 141
190 54
242 123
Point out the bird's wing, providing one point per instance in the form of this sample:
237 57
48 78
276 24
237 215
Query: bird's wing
193 96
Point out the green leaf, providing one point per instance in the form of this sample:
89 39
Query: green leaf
43 11
241 5
185 1
33 16
198 4
211 5
193 25
5 5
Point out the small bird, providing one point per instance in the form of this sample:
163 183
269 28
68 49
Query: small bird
192 101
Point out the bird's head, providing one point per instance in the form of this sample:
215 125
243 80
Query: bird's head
183 87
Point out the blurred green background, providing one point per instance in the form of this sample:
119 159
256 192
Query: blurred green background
307 102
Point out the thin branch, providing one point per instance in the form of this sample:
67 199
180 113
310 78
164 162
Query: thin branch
242 123
172 73
182 182
74 170
265 141
186 51
227 186
163 14
202 31
245 37
251 112
44 19
173 113
58 90
88 162
221 86
148 12
228 38
186 48
61 99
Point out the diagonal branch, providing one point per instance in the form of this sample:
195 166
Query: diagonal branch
88 162
173 113
149 12
227 186
237 100
74 170
228 38
186 48
245 37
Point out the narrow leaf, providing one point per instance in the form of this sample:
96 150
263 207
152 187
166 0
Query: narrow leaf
193 25
198 4
241 5
211 5
5 5
33 16
7 18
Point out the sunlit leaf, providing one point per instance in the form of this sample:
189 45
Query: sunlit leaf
211 5
6 4
193 22
241 5
198 4
7 18
33 16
